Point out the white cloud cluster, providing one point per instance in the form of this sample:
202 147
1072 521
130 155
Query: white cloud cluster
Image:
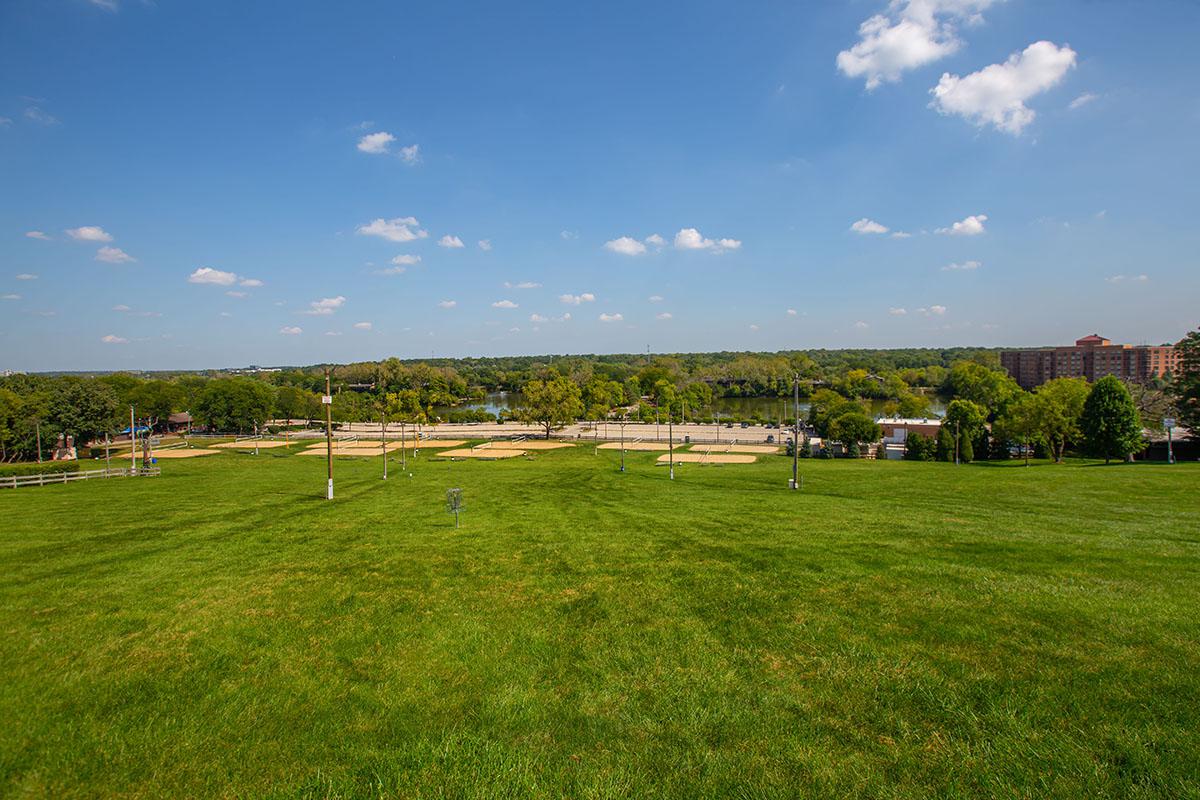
909 34
113 339
504 304
411 154
10 297
85 233
376 143
898 312
577 299
217 277
485 245
452 242
291 330
690 239
611 317
868 226
325 306
363 326
996 95
626 246
538 318
448 304
666 315
113 255
971 226
397 229
522 285
655 298
966 266
26 276
932 311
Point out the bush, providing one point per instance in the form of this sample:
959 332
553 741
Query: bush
919 447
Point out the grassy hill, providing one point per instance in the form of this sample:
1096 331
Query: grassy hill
895 630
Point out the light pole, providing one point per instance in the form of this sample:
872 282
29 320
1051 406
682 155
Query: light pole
622 443
132 444
1169 424
327 401
671 441
956 443
796 436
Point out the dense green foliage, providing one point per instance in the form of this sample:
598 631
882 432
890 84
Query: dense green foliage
1186 387
897 629
1110 424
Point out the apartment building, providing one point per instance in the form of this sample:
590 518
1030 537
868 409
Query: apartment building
1091 357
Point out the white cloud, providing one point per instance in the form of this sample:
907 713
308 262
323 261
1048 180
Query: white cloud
754 327
901 235
88 233
26 276
238 295
663 316
397 229
452 242
291 330
113 255
576 299
406 260
655 298
538 318
862 326
522 285
568 235
448 304
996 94
504 304
791 312
966 266
910 34
107 5
971 226
611 317
897 312
626 246
333 333
122 308
690 239
376 143
485 245
10 297
1130 278
363 326
111 339
655 240
1082 100
932 311
35 114
37 235
866 226
325 306
250 282
224 314
411 154
213 277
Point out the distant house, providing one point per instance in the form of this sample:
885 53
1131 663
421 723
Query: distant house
896 431
181 421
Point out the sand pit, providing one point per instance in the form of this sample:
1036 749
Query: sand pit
704 458
760 449
183 452
649 446
542 445
250 445
484 453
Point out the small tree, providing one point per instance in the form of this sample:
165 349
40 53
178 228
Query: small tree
965 420
918 447
551 403
1110 423
1186 387
945 444
853 428
1057 409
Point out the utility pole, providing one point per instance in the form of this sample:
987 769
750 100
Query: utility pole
403 447
107 462
622 443
327 400
956 443
1169 424
796 435
132 443
383 440
37 427
671 441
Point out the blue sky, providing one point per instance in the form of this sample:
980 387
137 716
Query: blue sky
221 183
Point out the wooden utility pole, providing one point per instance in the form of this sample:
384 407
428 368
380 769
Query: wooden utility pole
327 401
383 442
37 426
671 441
132 443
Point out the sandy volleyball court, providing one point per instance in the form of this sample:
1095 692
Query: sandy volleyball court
704 458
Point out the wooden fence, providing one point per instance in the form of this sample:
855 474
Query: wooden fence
51 478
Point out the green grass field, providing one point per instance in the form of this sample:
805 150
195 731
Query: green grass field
895 630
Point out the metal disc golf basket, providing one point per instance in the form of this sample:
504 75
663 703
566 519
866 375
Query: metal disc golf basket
454 503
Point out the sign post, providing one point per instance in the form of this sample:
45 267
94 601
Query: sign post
1169 424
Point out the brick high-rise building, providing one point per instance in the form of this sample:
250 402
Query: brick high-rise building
1092 357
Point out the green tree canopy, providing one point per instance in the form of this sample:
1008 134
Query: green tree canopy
234 404
551 403
1057 409
1110 424
1185 388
